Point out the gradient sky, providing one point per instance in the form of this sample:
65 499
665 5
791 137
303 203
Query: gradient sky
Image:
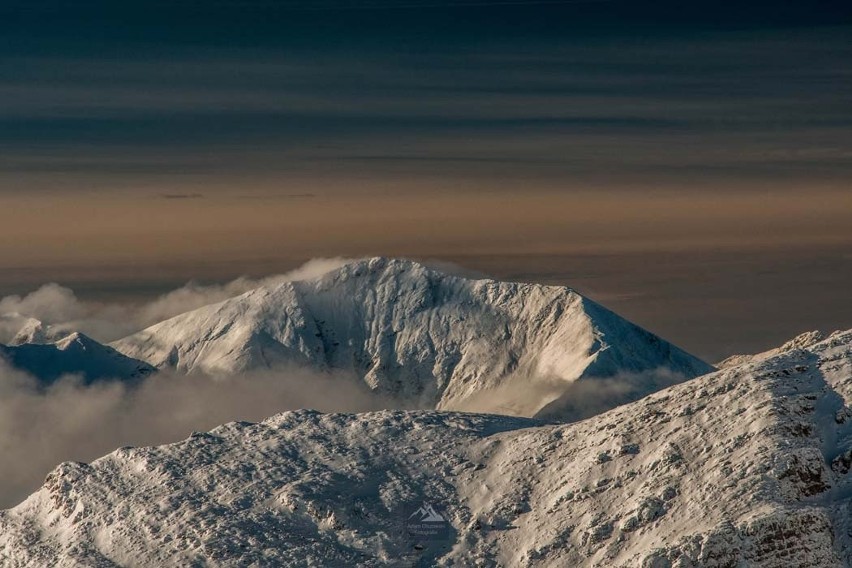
576 142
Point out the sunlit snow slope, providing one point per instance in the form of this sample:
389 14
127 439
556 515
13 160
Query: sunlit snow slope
801 341
748 466
429 339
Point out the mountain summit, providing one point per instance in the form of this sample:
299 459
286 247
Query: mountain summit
424 337
74 354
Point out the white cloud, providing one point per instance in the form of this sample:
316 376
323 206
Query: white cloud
69 421
60 308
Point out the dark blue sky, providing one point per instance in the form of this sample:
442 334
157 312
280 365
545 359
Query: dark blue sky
143 144
96 94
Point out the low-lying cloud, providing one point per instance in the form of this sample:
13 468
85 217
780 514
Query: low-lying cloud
590 397
552 398
67 421
59 308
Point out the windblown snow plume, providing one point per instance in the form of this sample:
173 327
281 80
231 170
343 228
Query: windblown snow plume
193 296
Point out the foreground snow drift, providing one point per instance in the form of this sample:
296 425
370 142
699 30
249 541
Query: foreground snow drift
744 466
428 339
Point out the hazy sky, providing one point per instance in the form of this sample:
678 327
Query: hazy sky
144 144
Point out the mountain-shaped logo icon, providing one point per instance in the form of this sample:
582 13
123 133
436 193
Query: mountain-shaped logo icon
427 514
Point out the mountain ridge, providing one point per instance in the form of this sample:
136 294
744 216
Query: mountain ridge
412 332
744 466
73 354
801 341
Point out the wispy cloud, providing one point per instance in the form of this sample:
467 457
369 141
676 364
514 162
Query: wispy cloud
58 306
39 428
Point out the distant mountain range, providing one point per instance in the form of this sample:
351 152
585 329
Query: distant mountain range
74 354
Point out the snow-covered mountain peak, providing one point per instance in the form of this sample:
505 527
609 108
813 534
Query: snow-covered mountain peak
17 329
74 354
77 341
427 338
801 341
804 340
31 331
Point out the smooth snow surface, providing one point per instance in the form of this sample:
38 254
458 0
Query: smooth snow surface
748 466
428 339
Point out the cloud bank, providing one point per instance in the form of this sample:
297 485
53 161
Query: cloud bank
552 398
40 428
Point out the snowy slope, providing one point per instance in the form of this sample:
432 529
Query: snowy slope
801 341
75 354
34 331
430 339
747 466
16 329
